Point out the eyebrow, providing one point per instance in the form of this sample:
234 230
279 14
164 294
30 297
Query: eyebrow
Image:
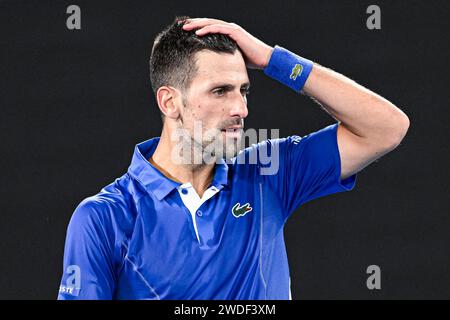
229 86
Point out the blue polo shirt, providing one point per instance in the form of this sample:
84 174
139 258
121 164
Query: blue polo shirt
145 236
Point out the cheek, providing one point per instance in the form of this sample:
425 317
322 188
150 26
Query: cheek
210 112
192 111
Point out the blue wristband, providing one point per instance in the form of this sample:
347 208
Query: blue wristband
288 68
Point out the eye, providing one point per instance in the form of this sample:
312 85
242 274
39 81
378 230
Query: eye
219 92
245 91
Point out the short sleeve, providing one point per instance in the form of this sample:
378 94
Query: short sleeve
309 167
88 271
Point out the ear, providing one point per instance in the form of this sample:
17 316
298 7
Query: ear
166 97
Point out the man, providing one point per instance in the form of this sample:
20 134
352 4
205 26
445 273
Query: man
180 226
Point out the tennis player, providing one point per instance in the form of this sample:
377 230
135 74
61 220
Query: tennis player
197 216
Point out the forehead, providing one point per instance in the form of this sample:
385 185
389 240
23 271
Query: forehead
215 67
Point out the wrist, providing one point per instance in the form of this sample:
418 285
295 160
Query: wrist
268 55
288 68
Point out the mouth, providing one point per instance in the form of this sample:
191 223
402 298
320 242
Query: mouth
233 131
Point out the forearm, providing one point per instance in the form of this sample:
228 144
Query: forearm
360 110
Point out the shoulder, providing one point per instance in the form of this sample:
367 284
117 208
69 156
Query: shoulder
109 210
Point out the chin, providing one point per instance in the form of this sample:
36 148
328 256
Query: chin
232 148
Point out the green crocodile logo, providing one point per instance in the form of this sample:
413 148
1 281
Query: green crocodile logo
296 71
240 211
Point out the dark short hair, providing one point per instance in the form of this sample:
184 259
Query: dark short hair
172 58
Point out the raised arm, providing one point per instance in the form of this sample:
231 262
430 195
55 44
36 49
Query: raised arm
370 126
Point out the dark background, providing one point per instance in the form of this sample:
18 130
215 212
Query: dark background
74 103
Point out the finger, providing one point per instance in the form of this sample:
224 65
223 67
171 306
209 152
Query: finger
204 20
200 23
217 28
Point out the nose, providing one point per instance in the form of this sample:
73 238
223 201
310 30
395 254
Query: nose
239 107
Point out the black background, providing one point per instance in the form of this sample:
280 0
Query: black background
75 102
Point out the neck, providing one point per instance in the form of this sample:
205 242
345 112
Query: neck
199 175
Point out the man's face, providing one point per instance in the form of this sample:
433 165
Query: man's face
216 102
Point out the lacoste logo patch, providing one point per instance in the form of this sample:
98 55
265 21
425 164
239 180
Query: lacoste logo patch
240 211
296 71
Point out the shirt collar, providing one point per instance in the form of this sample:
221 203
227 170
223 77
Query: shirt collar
153 180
